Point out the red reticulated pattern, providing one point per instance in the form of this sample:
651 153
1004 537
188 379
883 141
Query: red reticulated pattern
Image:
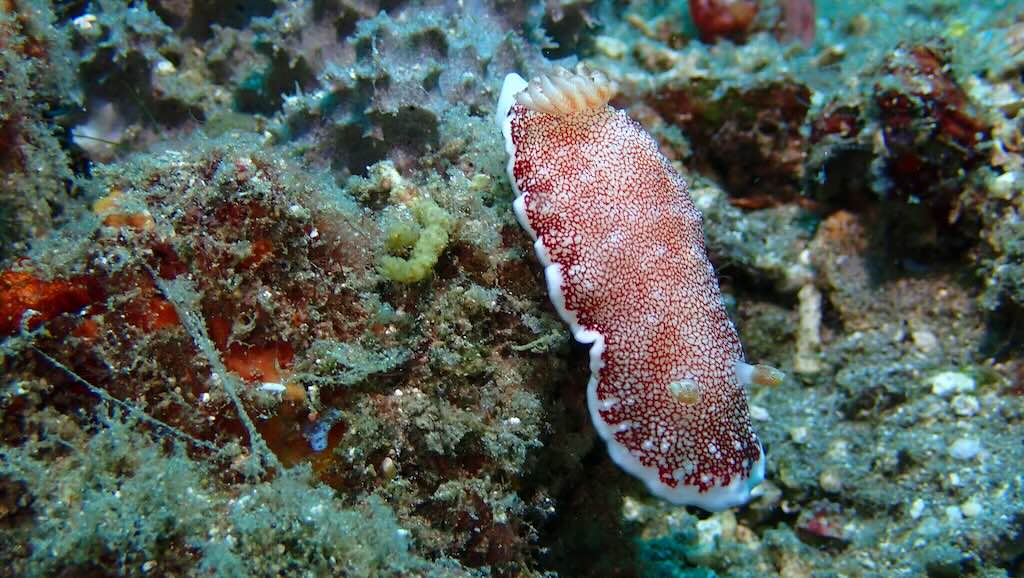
618 220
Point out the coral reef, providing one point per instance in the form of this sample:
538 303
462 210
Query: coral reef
111 498
265 308
723 18
38 87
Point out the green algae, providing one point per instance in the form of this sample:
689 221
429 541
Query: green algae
425 238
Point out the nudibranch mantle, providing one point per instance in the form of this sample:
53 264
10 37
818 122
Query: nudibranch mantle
622 246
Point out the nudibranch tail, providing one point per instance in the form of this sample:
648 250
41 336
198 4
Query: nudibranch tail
622 246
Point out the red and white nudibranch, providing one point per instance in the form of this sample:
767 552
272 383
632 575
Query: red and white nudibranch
623 251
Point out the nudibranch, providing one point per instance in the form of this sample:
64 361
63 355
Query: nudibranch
622 246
